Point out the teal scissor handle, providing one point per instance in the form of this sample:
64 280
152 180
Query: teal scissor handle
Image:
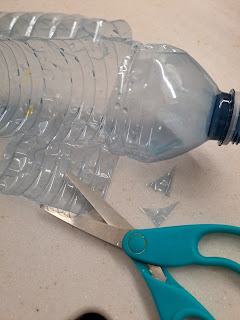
172 300
176 246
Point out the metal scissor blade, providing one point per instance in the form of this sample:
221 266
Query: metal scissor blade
97 229
111 216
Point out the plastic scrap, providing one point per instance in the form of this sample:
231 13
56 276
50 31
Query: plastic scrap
159 215
163 184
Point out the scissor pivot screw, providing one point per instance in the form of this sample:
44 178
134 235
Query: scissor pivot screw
137 244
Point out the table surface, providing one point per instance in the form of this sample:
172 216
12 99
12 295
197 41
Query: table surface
51 271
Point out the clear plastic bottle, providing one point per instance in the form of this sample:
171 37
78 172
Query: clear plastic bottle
62 97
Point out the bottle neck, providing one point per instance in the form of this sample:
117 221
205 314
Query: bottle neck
225 123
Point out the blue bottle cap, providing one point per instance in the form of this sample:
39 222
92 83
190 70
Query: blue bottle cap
225 123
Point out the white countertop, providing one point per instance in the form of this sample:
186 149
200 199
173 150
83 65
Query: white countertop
49 270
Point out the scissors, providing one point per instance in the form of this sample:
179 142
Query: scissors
164 247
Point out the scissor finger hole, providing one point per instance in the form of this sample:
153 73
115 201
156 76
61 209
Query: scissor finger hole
220 245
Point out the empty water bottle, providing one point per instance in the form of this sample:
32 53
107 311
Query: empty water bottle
160 102
65 98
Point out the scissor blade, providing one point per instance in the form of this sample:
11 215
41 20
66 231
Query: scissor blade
111 216
97 229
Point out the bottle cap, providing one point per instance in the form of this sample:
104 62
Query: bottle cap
233 134
225 123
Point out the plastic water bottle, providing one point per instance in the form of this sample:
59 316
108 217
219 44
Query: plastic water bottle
160 102
67 98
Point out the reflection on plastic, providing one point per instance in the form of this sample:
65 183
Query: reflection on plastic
60 26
